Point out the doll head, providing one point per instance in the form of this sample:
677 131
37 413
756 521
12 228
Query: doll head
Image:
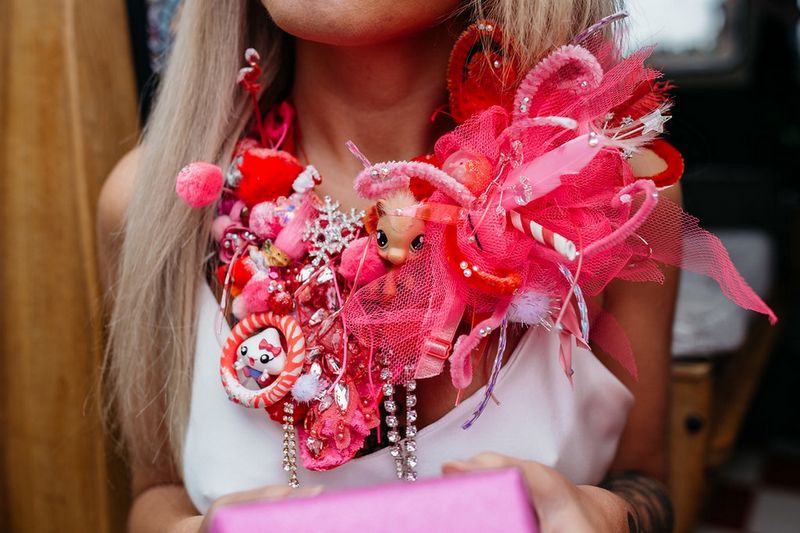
263 353
398 237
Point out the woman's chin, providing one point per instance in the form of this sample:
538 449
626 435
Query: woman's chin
357 22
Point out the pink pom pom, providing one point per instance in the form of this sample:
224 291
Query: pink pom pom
239 308
199 184
255 296
263 220
373 266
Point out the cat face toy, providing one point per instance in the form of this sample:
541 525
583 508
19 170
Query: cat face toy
261 334
261 356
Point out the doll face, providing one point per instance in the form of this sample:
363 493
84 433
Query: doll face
357 22
399 238
263 352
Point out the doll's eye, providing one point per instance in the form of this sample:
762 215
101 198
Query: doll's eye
382 239
243 351
417 243
265 359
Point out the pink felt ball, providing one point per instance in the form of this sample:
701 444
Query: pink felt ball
373 266
199 184
239 308
255 296
264 221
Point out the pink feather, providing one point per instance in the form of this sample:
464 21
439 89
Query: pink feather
290 239
543 174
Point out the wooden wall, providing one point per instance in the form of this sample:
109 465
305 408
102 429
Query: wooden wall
67 114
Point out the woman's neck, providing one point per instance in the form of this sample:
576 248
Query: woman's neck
380 96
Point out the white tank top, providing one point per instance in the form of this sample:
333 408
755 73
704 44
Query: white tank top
575 429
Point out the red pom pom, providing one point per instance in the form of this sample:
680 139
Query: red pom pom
266 175
199 184
240 275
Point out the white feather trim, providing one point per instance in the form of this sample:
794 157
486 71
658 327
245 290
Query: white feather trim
306 388
529 308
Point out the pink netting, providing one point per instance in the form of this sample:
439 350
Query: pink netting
478 263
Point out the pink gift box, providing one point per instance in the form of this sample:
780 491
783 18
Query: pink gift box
485 501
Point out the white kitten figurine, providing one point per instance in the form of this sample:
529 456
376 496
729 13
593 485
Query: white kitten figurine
260 357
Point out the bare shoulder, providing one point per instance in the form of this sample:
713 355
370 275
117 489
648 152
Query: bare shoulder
647 163
112 204
116 193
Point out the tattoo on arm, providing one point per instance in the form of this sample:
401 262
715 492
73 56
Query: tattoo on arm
651 508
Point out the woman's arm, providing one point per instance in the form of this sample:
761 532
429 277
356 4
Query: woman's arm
646 312
160 501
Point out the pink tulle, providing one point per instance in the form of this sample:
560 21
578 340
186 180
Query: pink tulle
557 162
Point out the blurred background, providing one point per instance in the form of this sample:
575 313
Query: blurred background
76 78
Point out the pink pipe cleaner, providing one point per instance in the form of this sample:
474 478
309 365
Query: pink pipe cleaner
460 360
633 223
570 66
382 179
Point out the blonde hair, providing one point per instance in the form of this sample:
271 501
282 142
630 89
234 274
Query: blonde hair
199 115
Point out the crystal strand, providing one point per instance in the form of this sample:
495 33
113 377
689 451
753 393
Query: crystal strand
391 419
289 445
410 441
